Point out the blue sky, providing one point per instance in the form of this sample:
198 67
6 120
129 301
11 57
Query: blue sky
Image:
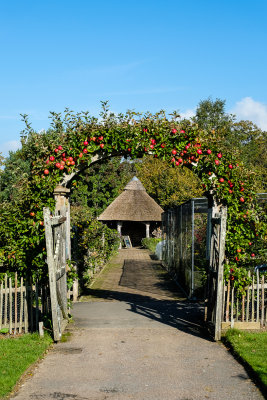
143 55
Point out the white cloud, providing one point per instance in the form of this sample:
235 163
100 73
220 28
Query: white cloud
249 109
12 145
188 114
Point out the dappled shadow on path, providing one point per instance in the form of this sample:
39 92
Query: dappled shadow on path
183 315
154 295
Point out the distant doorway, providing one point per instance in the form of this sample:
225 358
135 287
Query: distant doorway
135 230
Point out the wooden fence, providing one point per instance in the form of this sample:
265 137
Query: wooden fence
248 311
22 305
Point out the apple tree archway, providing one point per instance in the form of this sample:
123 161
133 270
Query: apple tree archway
79 140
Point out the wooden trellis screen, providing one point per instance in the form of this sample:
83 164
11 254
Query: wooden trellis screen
56 245
215 283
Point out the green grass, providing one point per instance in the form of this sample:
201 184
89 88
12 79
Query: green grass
151 243
252 349
16 355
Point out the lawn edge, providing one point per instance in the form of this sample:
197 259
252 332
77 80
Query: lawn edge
27 374
249 369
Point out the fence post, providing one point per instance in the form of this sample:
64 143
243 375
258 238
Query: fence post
52 275
220 283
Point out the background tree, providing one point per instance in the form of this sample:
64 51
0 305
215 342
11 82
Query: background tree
101 183
243 139
168 186
211 115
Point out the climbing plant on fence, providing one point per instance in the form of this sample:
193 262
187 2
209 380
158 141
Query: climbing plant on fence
74 141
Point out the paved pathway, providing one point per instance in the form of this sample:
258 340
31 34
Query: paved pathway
137 338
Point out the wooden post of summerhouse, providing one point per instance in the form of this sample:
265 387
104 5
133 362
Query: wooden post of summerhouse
147 229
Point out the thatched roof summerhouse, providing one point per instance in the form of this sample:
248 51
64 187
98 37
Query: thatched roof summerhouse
132 210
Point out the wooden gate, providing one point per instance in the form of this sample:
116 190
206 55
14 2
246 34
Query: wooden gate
215 282
55 233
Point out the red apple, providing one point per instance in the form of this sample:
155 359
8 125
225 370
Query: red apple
199 151
209 151
250 243
242 199
151 146
217 162
174 130
177 163
100 138
221 180
230 166
85 143
230 191
70 159
61 167
180 160
174 152
51 158
252 255
153 141
101 145
32 214
56 150
57 165
46 172
238 250
80 155
85 150
162 145
47 162
182 131
219 155
60 148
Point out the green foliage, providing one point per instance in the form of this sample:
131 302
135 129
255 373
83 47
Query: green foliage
167 185
151 243
101 183
17 354
243 139
93 242
211 115
251 348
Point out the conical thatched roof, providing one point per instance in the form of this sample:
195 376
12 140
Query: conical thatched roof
133 204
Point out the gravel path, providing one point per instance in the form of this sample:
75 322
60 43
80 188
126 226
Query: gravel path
137 338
